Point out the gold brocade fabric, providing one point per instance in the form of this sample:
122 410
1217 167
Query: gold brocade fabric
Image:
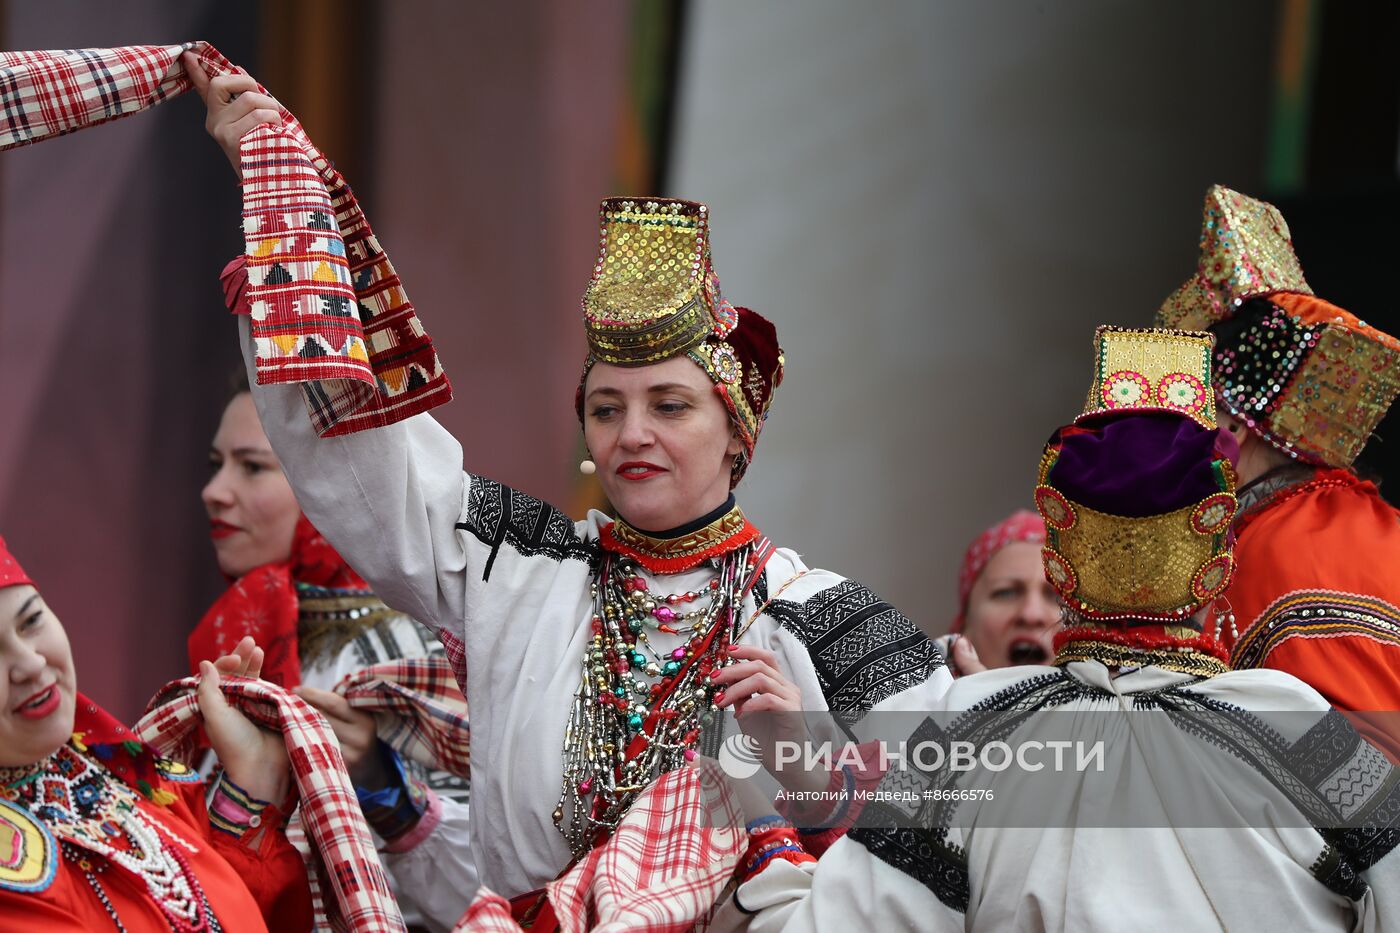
1114 564
1246 250
1182 661
653 294
1152 370
326 624
1306 376
1343 387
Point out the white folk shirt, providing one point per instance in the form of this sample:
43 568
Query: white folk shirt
503 579
1269 876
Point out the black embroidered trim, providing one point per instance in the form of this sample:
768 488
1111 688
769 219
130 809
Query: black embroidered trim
1338 874
863 649
1331 773
924 855
497 515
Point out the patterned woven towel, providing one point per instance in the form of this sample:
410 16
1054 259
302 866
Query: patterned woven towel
418 709
347 866
328 310
662 871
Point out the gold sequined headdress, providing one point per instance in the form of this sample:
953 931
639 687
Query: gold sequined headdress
1151 370
1303 374
655 295
1137 495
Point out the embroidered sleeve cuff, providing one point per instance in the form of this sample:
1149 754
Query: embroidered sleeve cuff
770 838
234 811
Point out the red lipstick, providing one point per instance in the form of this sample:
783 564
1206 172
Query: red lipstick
40 704
221 529
639 470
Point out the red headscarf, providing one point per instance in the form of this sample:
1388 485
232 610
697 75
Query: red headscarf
11 573
263 603
1021 525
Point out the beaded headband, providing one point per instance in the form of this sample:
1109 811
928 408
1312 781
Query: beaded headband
1138 498
1306 376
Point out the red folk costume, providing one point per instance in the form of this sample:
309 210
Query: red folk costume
1318 588
104 834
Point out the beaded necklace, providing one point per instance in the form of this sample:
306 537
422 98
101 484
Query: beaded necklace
93 814
639 712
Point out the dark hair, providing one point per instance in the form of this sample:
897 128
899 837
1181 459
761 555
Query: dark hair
237 384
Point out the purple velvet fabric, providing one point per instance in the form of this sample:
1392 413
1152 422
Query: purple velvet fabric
1137 465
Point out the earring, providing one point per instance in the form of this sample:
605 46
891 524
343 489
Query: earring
587 467
1224 617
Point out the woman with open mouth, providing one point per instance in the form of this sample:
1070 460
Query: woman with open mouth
1008 612
595 654
98 833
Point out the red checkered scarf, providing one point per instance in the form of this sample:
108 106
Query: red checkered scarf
344 858
664 869
418 709
328 310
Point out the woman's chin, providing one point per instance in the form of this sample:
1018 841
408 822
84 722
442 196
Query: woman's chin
40 740
648 511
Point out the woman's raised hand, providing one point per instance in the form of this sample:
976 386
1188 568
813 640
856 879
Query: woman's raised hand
246 660
234 105
255 759
756 684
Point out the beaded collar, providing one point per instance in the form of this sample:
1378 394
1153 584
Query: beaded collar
721 532
329 619
1182 649
99 822
1284 482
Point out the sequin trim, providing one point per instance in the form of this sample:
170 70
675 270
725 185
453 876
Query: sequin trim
1317 614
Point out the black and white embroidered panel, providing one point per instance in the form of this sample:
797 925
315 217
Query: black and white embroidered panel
497 514
1339 782
863 648
925 856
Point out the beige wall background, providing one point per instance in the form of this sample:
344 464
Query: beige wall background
936 202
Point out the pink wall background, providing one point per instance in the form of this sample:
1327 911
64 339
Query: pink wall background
495 138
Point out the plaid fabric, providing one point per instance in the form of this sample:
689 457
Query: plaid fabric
347 865
328 310
664 869
46 94
419 710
